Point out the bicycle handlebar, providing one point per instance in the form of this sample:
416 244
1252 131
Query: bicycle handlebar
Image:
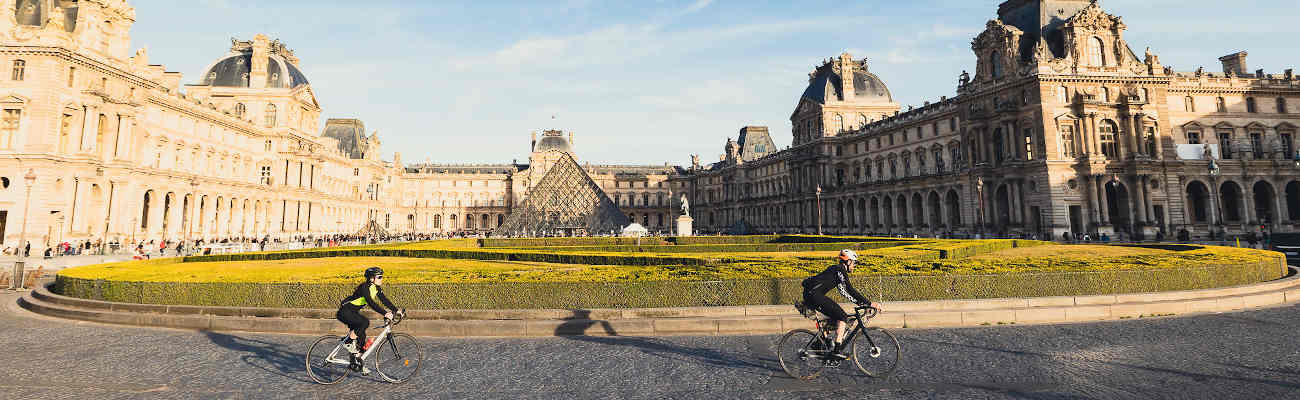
397 318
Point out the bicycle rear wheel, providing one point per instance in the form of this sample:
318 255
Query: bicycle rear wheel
327 361
793 353
877 353
398 358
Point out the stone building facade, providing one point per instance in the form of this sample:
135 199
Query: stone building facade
1062 128
121 150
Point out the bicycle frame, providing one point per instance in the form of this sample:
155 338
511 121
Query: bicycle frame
852 334
379 340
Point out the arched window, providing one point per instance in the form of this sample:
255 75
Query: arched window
1281 105
1188 104
862 119
995 64
1095 51
20 69
1109 147
1220 105
270 115
239 110
1250 105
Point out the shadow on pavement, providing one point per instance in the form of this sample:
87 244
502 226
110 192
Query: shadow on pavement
270 357
576 326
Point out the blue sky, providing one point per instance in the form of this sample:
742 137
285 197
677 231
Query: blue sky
638 81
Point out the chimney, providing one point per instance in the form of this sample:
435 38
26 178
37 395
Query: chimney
261 52
1234 64
846 76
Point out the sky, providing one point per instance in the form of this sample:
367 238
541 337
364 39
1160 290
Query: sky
638 82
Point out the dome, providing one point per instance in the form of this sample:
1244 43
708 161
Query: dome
234 69
867 87
556 143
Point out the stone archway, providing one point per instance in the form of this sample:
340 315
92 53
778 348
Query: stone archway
918 210
936 210
953 204
1293 200
1117 206
1198 198
1002 207
1265 203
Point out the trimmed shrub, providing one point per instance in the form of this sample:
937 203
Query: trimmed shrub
721 248
505 255
531 295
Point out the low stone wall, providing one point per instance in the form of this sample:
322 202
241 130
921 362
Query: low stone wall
572 295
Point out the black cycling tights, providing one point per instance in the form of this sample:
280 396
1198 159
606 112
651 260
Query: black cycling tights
357 323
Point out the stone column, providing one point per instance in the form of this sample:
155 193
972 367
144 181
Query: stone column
1283 214
1139 200
1133 137
89 125
125 135
1248 202
1102 203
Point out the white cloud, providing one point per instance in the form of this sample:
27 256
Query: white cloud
697 6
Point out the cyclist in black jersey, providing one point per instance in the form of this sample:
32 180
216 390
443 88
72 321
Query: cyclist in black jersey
350 310
816 287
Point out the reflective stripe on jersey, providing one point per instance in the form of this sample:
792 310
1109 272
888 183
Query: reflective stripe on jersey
359 302
844 291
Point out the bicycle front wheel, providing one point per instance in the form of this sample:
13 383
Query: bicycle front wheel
327 361
398 358
877 353
799 352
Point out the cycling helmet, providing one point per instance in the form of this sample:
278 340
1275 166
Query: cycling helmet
373 272
846 255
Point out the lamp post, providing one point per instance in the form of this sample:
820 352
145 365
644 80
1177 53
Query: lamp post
819 209
17 282
189 222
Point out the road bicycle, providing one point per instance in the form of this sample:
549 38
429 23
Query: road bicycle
396 356
804 353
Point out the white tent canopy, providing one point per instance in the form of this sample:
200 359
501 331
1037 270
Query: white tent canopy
634 230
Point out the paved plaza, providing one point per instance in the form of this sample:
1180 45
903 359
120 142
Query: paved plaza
1241 355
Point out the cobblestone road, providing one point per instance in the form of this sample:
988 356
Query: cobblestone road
1242 355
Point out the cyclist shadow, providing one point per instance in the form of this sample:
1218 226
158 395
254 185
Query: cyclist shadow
580 324
270 357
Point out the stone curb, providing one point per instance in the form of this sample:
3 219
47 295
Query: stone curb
757 319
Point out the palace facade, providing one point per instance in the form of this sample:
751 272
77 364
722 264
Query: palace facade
121 150
1062 128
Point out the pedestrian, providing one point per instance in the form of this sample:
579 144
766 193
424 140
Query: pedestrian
27 251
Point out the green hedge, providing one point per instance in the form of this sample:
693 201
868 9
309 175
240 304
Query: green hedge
510 255
568 241
530 295
710 248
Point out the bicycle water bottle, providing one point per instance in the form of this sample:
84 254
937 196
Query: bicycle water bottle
369 341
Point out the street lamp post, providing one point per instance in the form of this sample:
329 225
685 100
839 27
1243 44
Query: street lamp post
819 209
189 222
17 282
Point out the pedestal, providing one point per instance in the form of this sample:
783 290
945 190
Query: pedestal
684 225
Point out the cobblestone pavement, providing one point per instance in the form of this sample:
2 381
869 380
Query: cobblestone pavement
1243 355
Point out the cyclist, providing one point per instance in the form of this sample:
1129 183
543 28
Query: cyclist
816 287
350 310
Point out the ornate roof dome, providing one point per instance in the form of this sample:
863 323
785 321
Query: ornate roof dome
552 140
235 68
825 84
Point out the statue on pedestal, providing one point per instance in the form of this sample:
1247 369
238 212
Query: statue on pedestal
686 206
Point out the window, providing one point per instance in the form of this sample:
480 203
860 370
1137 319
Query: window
1225 145
1193 137
1109 147
1028 138
1220 105
938 161
265 175
995 64
952 124
1188 104
907 166
1288 150
1105 94
1150 136
239 110
1281 105
956 157
1095 50
9 127
65 130
893 168
1250 105
839 123
20 69
1257 144
72 76
1067 141
270 115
